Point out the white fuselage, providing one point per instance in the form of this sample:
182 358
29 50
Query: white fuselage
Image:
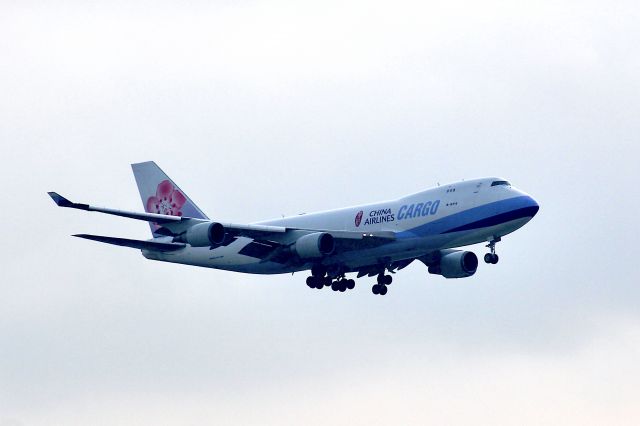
444 217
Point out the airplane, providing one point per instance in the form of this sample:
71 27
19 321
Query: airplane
370 239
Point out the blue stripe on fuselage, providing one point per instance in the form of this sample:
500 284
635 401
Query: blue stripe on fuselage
478 217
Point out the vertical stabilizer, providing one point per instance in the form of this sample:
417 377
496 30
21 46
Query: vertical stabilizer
161 195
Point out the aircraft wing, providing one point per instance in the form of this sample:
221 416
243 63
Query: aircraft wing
269 241
149 217
171 224
137 244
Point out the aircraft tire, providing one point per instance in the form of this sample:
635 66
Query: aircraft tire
383 290
351 284
495 259
388 279
375 289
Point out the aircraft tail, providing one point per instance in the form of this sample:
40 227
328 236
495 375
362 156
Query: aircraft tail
161 195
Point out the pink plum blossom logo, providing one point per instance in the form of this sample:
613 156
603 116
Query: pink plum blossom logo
359 218
168 200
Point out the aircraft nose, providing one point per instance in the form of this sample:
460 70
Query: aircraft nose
533 206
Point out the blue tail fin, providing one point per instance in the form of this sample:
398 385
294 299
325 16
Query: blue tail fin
161 195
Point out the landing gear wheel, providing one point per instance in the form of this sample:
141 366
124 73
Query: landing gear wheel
342 286
311 282
351 284
379 289
488 258
334 286
384 279
491 258
327 281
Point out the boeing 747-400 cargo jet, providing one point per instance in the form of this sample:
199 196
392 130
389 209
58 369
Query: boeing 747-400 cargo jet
371 239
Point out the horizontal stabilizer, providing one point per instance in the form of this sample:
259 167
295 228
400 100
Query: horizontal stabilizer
137 244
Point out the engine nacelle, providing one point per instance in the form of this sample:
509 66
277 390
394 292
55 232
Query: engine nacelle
314 245
204 234
456 264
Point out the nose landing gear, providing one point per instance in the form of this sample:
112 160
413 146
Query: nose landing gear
492 257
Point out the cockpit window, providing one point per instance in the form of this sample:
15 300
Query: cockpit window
500 182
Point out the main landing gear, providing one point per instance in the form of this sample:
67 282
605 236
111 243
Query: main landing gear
320 279
383 282
492 257
342 284
317 282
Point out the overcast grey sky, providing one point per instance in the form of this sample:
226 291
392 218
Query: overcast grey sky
263 108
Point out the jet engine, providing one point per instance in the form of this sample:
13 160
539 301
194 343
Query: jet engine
456 264
204 234
314 245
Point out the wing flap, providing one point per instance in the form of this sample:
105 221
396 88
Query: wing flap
253 231
284 234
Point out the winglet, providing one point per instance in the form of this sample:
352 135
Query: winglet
59 199
63 202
